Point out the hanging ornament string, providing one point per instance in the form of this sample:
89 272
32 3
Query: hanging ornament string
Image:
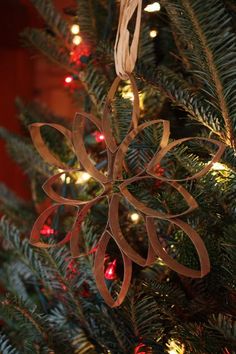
124 52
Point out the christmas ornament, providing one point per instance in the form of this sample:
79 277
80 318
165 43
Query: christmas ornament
114 186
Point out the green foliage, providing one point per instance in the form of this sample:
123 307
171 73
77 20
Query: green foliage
5 346
52 302
24 154
52 17
15 208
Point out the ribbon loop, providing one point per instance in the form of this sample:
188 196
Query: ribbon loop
125 53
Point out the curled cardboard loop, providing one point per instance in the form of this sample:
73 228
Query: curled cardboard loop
172 263
99 273
158 157
35 236
42 148
107 112
126 54
122 150
114 187
152 212
80 150
74 239
120 239
48 189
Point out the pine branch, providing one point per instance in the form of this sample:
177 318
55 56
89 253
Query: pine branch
33 112
24 154
5 346
86 20
211 49
54 20
49 46
18 210
184 96
28 320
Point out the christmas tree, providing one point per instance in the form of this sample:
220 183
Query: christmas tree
185 75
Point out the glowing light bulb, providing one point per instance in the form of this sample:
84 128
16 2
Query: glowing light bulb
99 137
153 7
134 217
82 177
67 180
110 272
127 93
68 79
153 33
47 230
75 29
175 348
76 40
217 166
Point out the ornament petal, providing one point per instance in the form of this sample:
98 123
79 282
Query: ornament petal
48 188
170 262
78 140
158 157
120 239
152 212
106 124
41 146
74 240
38 226
99 273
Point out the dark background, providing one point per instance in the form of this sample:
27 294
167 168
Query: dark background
26 74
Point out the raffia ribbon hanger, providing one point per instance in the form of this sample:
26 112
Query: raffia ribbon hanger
126 54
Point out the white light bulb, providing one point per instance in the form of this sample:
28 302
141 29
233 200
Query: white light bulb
76 40
82 177
134 217
75 29
173 351
153 33
153 7
217 166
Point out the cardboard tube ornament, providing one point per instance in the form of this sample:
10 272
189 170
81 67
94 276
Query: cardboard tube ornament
114 187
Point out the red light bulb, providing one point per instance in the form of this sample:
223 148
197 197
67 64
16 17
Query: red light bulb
47 231
139 346
99 137
110 272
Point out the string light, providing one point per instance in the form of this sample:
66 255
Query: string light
75 29
153 33
99 137
76 40
175 348
47 230
217 166
68 79
127 93
153 7
110 272
82 177
135 217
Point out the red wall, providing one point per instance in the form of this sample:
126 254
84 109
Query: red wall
16 72
25 75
